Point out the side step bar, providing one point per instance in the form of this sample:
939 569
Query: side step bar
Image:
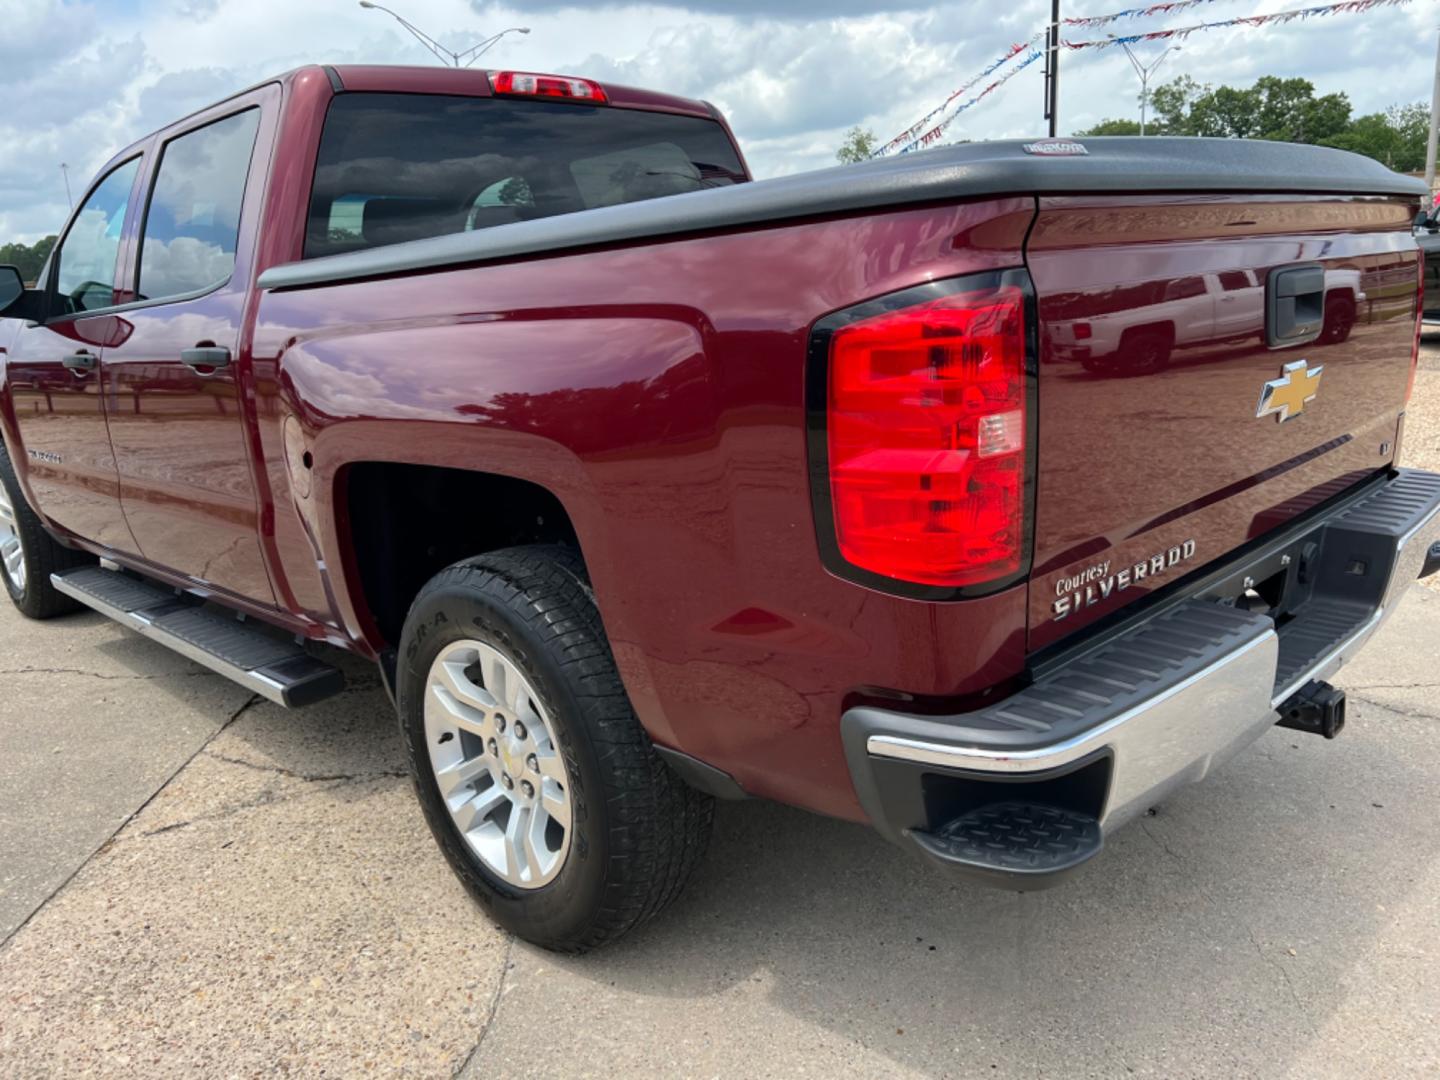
273 667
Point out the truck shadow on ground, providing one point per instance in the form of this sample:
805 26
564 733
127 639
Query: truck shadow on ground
1238 914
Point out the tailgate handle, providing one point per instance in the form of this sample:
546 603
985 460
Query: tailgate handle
1295 305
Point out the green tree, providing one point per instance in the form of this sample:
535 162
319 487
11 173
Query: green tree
28 258
1170 105
1111 127
1396 137
859 145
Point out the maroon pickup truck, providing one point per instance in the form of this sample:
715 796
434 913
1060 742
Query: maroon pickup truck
782 489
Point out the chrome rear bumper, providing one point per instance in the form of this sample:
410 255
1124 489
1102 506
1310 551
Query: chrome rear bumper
1115 728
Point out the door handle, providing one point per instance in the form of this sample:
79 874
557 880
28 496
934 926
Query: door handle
81 361
212 357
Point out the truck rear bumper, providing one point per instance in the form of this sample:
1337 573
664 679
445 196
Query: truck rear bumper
1022 792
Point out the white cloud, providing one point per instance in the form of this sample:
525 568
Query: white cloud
83 79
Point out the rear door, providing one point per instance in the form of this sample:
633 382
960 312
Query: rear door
1145 474
53 371
175 386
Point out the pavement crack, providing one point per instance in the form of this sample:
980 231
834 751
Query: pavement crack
1394 710
133 815
485 1027
1284 974
102 675
309 778
1394 686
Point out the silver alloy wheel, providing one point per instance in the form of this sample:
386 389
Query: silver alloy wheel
499 770
12 550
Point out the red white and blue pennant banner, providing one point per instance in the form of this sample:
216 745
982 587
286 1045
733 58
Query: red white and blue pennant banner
914 130
1172 8
925 133
1345 7
932 136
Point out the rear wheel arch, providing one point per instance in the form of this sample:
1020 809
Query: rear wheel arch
399 524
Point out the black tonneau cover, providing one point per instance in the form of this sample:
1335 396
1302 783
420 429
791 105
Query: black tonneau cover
973 170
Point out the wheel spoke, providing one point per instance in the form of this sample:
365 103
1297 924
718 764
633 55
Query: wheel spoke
494 670
454 777
551 767
515 866
452 677
536 853
473 812
463 716
556 802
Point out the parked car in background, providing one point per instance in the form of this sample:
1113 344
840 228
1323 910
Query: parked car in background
643 484
1427 238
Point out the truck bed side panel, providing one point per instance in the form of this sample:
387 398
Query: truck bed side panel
663 404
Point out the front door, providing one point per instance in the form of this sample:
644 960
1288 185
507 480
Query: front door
174 386
53 373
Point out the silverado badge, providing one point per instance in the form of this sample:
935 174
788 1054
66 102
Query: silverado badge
1288 395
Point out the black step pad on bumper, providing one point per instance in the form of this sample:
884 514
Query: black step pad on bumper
1015 845
257 658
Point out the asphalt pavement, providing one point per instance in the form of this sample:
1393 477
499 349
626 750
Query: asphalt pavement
196 882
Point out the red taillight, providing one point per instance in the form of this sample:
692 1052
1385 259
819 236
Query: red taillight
1082 331
528 84
926 432
1419 322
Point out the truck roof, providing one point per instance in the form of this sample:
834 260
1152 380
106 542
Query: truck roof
473 82
415 79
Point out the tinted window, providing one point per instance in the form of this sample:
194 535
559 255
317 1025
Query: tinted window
1234 280
396 167
85 263
193 221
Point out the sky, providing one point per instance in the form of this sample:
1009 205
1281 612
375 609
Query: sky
83 79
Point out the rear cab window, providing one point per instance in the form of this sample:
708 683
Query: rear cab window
192 222
398 167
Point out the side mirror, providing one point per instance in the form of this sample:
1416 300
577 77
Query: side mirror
1425 220
12 287
18 302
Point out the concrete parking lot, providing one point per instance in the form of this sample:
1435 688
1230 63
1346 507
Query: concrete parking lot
195 882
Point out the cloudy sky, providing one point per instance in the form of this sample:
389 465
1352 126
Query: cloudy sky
82 79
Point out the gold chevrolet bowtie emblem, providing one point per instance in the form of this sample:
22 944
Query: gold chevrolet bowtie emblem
1288 395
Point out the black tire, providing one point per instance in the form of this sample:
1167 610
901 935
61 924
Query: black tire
1339 319
639 830
1144 352
42 556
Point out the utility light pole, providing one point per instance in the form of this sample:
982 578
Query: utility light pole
1145 71
1434 125
461 59
65 172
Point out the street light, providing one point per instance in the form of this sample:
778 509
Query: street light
469 56
1144 72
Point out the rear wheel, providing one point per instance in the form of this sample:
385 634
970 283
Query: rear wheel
1143 352
29 554
535 776
1339 318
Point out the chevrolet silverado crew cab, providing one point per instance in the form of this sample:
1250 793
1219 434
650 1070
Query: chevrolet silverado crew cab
758 489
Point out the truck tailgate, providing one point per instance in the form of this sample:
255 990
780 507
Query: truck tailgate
1156 453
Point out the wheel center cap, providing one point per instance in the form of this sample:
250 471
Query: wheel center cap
510 758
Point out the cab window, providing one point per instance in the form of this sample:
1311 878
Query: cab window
192 225
86 259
